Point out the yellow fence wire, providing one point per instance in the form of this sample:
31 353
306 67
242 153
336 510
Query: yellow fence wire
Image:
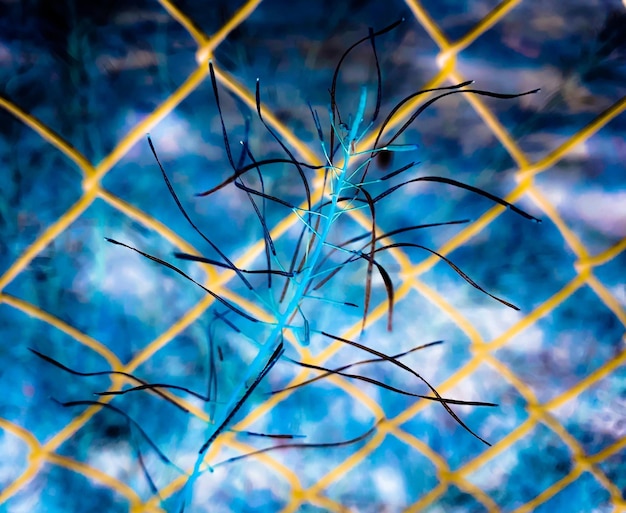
527 170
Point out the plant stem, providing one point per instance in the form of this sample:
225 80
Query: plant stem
265 355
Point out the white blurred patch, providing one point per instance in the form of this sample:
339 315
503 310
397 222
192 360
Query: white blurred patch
390 485
114 460
129 276
495 475
491 321
610 419
619 292
174 137
12 452
603 211
529 341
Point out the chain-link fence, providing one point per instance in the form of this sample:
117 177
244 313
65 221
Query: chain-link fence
75 173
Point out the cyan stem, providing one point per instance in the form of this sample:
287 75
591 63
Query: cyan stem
261 360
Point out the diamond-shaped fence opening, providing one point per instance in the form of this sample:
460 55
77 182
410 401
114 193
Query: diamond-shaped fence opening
81 87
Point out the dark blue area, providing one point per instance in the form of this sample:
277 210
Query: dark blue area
372 485
612 276
59 489
310 508
613 469
595 422
578 496
583 340
511 250
82 271
455 499
541 460
109 433
456 18
436 428
90 59
436 364
39 186
38 383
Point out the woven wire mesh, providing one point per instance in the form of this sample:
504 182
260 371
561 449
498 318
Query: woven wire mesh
557 368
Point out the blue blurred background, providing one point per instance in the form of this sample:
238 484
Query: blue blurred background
80 85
